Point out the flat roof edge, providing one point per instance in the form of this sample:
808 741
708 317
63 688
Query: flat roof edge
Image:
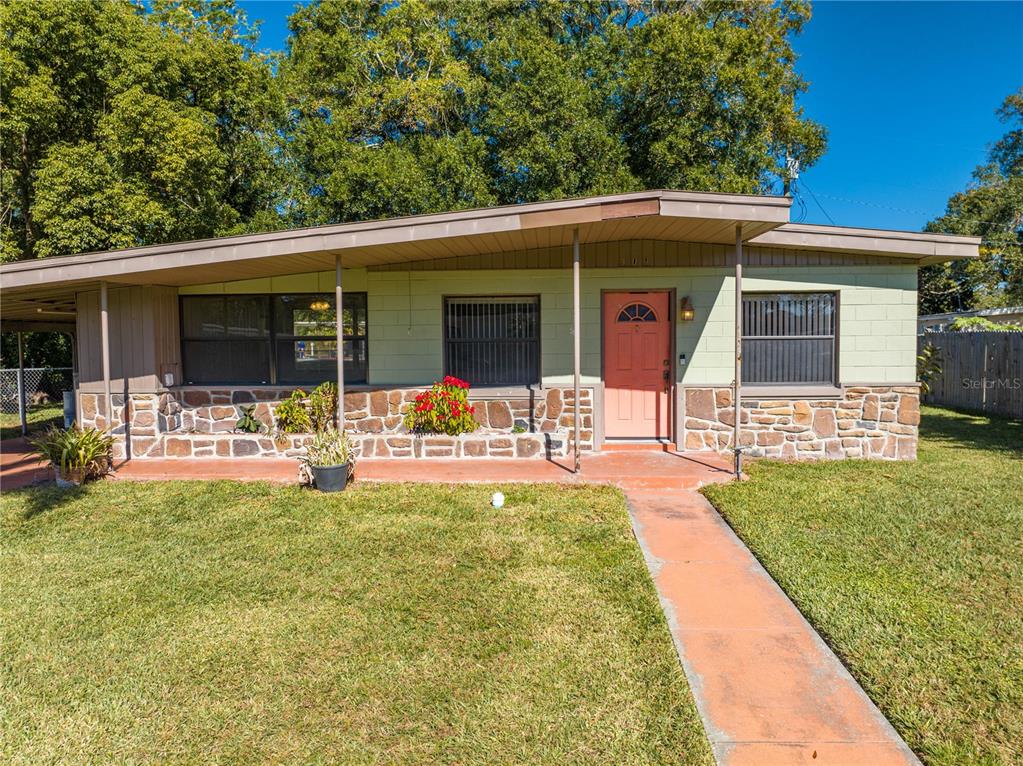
433 219
891 242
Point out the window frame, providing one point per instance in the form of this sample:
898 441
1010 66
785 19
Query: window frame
291 337
773 387
445 357
267 340
271 339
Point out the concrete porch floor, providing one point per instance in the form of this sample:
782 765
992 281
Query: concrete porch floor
768 689
663 469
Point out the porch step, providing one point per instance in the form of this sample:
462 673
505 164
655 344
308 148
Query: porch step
638 446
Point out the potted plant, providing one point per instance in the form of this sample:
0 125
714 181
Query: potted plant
76 454
330 460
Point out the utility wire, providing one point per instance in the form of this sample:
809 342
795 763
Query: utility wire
904 209
827 215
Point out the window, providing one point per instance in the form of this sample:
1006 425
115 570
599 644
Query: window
264 339
789 338
306 338
493 341
225 339
637 312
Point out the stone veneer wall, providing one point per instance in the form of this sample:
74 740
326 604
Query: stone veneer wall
878 422
199 422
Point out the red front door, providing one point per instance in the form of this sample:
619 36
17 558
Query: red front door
637 365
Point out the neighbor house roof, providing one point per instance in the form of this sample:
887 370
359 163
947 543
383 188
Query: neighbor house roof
1004 312
48 285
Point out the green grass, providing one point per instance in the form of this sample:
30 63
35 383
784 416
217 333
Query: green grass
242 623
37 418
913 573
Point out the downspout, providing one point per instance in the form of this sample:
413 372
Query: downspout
104 324
575 338
339 327
737 392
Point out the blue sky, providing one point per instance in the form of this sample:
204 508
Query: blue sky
907 91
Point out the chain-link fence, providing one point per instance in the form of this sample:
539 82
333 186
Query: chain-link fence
43 385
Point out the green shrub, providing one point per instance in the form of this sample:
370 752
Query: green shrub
981 324
248 423
291 415
444 409
928 366
323 407
76 454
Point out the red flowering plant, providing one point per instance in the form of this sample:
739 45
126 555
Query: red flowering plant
443 409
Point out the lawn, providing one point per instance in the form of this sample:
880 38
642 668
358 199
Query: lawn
913 573
37 418
242 623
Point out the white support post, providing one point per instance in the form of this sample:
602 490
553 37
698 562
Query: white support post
22 415
575 338
737 393
104 324
339 323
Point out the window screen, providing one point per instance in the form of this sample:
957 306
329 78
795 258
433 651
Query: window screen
264 339
225 339
493 341
788 338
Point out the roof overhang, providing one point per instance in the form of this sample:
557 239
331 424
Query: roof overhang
44 290
923 248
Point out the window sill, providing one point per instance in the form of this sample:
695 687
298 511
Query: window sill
791 392
476 392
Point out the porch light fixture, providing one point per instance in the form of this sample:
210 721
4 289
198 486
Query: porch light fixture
686 312
319 305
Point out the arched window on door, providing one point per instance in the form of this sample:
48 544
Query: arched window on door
637 312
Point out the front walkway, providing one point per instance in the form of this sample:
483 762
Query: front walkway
768 689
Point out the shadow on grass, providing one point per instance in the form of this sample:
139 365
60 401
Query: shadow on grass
48 497
952 428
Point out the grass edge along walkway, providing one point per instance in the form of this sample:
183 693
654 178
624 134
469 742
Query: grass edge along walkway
913 574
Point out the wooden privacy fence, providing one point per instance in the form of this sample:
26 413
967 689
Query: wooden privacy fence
980 371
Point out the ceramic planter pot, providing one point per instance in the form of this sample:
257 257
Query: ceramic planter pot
330 478
73 478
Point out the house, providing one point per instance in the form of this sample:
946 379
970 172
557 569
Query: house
578 322
940 322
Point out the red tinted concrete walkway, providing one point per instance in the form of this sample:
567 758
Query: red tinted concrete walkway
17 466
768 689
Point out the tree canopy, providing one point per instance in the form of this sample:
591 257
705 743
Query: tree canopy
128 123
423 106
991 207
123 125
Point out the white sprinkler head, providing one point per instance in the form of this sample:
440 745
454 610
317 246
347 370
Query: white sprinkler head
498 500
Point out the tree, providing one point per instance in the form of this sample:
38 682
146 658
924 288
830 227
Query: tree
126 126
136 123
991 207
421 106
40 349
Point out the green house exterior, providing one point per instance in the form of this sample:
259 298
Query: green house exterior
828 333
